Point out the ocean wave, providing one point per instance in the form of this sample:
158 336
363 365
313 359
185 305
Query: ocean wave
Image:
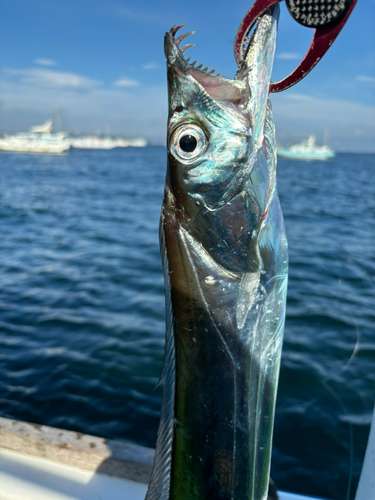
82 305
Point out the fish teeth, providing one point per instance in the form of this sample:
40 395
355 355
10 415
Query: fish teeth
185 47
175 28
177 42
180 38
245 43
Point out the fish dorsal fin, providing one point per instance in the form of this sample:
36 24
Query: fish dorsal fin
159 486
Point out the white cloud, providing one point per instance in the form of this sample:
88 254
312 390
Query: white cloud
151 65
126 82
139 111
45 62
297 97
55 79
287 55
297 116
142 110
143 16
365 78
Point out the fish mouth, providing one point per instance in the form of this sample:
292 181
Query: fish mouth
222 89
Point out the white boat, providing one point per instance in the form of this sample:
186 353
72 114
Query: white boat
91 142
133 143
306 150
44 463
95 142
40 139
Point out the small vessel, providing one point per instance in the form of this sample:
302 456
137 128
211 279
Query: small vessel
306 150
40 139
91 142
95 142
134 143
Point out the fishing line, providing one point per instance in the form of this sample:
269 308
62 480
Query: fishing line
351 437
351 259
324 382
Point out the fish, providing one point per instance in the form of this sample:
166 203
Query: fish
225 261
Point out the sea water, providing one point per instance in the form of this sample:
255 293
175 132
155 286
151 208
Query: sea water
82 305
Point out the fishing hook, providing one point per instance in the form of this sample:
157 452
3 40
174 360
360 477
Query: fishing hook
327 17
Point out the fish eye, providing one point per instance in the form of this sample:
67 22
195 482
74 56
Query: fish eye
188 142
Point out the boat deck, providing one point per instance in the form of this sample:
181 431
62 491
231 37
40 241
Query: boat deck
24 477
43 463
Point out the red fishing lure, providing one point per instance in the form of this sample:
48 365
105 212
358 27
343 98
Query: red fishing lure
327 17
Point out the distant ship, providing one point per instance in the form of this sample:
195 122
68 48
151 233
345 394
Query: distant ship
94 142
306 150
40 139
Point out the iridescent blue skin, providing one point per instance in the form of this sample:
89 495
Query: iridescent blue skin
225 260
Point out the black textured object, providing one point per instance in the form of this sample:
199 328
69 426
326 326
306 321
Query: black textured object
318 13
188 143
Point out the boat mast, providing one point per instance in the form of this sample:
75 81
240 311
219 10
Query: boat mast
58 119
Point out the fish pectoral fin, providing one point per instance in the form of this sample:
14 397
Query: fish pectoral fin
247 292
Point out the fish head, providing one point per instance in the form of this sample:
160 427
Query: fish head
215 124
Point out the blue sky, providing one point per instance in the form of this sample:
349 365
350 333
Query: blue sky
103 63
